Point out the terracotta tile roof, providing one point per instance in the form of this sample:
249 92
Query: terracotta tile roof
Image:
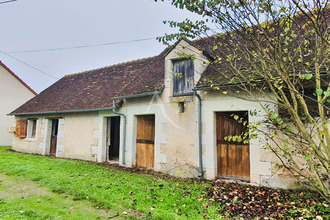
222 73
94 89
212 75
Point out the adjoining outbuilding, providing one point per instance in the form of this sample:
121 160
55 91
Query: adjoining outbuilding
13 93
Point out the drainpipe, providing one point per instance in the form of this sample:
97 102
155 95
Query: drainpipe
200 174
124 130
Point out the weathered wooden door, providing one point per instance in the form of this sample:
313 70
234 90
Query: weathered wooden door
145 141
53 140
233 158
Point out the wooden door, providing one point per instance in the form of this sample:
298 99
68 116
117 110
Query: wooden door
233 158
53 140
145 141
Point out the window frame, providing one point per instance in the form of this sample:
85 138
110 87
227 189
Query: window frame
31 129
186 68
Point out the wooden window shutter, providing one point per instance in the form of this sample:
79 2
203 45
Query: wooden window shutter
183 79
21 128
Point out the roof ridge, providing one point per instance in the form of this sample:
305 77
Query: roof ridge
113 65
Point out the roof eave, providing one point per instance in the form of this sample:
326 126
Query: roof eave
60 112
216 88
138 95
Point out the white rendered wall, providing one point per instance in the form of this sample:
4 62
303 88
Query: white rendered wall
76 136
12 95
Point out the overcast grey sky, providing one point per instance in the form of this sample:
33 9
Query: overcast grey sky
47 24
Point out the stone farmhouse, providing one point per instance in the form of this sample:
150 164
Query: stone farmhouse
159 113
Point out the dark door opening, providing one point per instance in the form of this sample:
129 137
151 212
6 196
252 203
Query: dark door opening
113 138
53 140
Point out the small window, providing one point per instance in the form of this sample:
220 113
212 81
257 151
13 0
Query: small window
181 107
31 128
183 77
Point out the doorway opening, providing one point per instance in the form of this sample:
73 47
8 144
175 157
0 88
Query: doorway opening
113 138
233 157
53 140
145 140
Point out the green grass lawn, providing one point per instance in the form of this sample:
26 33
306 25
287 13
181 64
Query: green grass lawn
41 187
101 192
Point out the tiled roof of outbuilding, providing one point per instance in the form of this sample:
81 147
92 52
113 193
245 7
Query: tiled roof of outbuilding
94 89
223 74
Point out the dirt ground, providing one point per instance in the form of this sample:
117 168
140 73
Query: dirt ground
13 188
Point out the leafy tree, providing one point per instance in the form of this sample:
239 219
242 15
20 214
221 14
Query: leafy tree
277 49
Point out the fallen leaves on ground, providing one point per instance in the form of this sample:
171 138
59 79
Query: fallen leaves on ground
247 201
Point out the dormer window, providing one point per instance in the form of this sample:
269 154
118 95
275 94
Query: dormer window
183 77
